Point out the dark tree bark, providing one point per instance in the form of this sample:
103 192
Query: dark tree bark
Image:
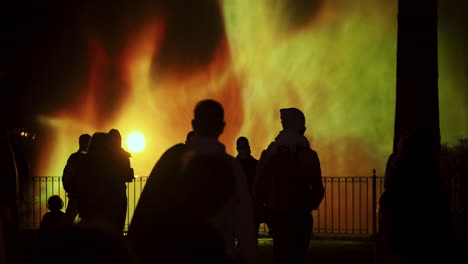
417 99
415 198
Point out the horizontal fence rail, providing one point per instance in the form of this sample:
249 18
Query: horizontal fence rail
348 207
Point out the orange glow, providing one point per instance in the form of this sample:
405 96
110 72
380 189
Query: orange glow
252 91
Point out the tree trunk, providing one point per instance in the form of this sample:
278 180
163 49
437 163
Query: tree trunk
417 99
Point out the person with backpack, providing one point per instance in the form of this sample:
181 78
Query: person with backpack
288 182
196 195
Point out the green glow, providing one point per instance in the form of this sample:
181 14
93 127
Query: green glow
336 61
340 69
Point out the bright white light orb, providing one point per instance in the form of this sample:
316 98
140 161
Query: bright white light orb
136 142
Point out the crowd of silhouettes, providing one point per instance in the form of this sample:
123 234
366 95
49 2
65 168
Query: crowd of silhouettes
94 179
196 195
210 204
199 196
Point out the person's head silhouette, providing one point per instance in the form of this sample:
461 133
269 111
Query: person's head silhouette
115 139
190 135
55 203
243 147
98 143
209 119
84 142
293 119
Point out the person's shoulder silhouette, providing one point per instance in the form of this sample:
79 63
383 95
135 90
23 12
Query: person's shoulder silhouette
189 136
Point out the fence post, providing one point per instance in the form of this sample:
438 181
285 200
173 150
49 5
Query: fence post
374 203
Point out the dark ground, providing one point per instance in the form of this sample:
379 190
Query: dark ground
327 250
322 249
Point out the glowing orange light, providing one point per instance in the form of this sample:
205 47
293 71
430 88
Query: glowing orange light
257 67
136 142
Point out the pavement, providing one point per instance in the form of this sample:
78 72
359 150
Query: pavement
326 250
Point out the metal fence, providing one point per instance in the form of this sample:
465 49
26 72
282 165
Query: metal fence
348 208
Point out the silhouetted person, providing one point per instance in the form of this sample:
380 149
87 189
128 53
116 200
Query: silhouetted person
189 136
123 172
101 193
289 183
53 222
249 166
249 163
196 195
414 208
70 173
121 156
9 195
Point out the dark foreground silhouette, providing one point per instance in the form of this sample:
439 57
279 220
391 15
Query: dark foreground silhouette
289 183
75 164
196 195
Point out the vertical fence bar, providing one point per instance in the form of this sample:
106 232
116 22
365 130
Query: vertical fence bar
332 205
37 197
127 189
318 217
46 180
374 203
339 205
325 201
360 206
352 209
346 205
134 193
367 206
33 206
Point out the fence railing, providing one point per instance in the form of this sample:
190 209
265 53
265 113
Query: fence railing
348 208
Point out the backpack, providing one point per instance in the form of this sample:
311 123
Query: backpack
292 181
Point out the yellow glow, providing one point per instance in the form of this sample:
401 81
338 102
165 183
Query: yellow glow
337 66
136 142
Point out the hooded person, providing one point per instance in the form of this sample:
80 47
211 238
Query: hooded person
196 194
292 135
288 182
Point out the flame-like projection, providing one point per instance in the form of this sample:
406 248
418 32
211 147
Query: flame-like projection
334 61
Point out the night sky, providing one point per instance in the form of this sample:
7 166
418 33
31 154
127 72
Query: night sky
338 54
